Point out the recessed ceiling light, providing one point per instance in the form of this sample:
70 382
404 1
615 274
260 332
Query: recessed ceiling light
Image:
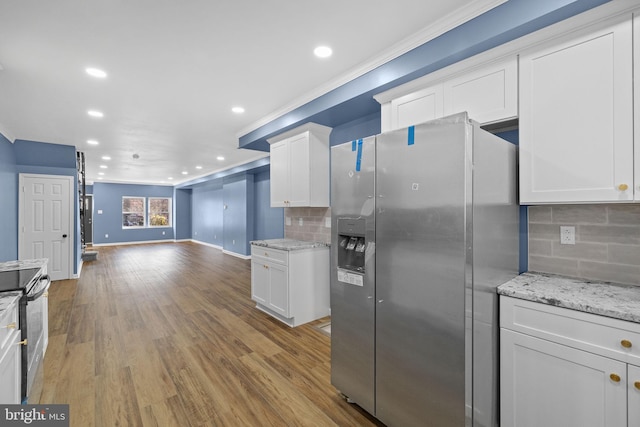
99 177
103 166
185 173
322 51
96 72
100 173
95 113
170 178
92 142
106 158
198 167
238 110
220 158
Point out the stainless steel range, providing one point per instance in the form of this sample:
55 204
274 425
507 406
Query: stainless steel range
34 285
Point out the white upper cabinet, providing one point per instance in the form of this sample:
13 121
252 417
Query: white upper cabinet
300 167
576 117
488 92
417 107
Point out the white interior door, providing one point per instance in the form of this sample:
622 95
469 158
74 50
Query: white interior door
46 222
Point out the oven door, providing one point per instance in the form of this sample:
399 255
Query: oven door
35 338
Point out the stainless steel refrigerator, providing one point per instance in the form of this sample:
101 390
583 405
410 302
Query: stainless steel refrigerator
424 227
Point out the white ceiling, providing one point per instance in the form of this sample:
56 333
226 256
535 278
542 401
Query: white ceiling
175 69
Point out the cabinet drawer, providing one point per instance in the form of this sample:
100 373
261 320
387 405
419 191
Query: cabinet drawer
273 255
608 337
8 323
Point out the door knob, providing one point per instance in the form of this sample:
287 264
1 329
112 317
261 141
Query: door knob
64 236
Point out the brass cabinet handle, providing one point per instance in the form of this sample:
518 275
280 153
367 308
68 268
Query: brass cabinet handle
11 325
23 342
623 187
626 343
615 378
637 385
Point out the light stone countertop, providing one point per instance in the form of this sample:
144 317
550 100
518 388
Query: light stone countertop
606 299
288 244
8 298
23 264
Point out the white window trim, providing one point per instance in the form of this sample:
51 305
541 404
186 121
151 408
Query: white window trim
169 211
144 213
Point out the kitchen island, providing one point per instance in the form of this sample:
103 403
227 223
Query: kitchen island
569 352
290 279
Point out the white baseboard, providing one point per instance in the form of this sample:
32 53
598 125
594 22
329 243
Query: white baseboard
211 245
237 255
140 242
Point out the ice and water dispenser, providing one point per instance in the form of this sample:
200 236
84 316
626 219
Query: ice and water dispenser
351 244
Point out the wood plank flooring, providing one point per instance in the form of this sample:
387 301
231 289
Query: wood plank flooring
167 335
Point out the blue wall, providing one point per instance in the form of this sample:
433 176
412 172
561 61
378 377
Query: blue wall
182 213
268 221
238 211
108 198
206 213
9 195
249 215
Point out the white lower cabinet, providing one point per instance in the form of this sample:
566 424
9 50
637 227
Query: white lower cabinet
10 365
633 374
559 367
292 286
10 352
548 384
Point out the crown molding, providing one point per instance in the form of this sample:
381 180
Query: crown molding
447 23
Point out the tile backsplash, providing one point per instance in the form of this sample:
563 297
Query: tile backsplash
308 224
607 241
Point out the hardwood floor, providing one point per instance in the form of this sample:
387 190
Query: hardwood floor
167 335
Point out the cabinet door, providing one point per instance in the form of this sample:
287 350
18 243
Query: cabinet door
299 172
488 94
279 164
259 281
278 289
416 107
548 384
576 124
634 395
10 372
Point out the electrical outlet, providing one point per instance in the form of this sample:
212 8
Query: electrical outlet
327 222
300 222
196 233
163 233
106 236
233 242
567 235
287 220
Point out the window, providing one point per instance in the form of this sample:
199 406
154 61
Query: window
159 212
133 212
